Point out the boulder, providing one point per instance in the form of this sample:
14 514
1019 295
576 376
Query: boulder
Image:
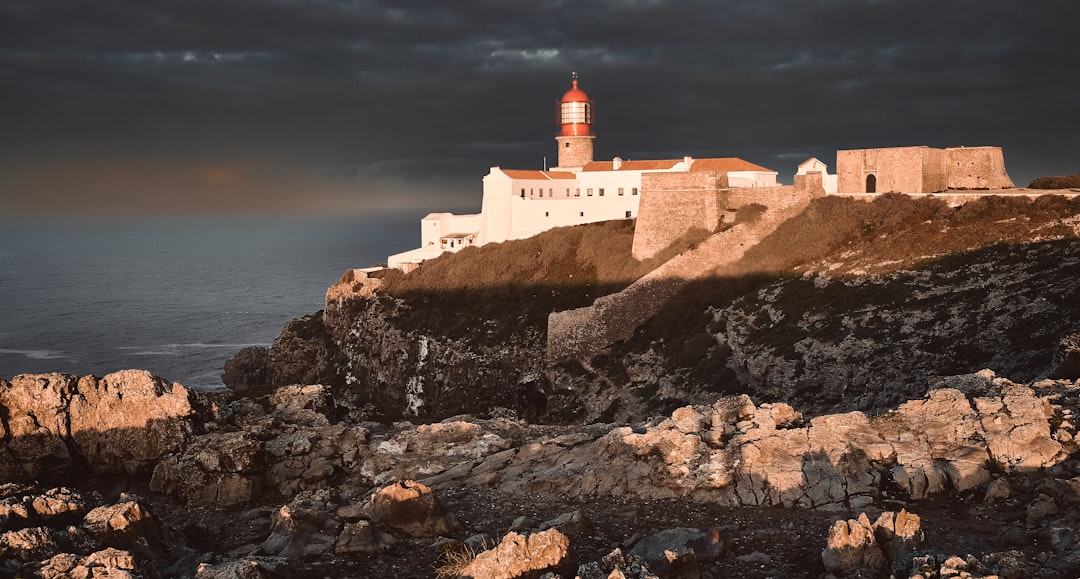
123 524
1067 357
108 563
122 423
246 370
410 508
59 506
247 568
517 555
857 544
852 545
29 544
362 537
304 528
677 552
217 468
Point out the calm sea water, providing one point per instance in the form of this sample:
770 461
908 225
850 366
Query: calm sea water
173 295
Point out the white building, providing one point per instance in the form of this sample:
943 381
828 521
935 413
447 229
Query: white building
523 203
812 165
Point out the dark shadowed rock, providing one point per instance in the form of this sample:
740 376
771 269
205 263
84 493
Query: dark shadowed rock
1067 357
122 423
246 370
218 468
304 353
412 509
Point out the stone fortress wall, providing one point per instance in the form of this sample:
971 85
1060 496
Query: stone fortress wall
921 170
673 204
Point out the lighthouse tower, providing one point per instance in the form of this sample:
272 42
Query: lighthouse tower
574 114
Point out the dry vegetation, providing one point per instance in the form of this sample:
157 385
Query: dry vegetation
1056 182
896 231
519 282
525 279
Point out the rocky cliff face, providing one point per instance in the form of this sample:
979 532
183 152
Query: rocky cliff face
58 425
848 306
397 371
281 484
836 342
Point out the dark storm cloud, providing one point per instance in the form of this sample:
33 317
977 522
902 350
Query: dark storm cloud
398 99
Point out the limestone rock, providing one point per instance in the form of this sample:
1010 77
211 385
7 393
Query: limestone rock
247 568
29 544
857 544
517 555
997 491
898 533
852 545
304 528
1067 357
122 423
677 552
246 370
122 524
298 533
304 353
128 420
106 564
216 468
362 537
59 506
410 508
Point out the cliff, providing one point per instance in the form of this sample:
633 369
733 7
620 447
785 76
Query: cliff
834 309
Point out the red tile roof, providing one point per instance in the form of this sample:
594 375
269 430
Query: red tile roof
726 164
542 175
633 165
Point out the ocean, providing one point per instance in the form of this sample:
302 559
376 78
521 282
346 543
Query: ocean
173 295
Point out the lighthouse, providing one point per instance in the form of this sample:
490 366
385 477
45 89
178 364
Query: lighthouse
574 115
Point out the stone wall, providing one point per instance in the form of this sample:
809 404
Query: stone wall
921 169
674 203
977 168
584 331
575 152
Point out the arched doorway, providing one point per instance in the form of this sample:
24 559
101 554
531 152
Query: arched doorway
871 184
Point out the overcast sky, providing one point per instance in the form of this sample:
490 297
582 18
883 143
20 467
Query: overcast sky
224 105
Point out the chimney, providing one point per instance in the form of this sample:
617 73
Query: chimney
616 163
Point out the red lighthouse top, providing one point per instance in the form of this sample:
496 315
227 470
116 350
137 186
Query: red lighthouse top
575 112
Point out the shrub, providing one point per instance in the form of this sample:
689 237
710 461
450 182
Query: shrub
1056 182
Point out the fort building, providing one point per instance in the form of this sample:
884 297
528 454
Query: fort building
521 203
921 170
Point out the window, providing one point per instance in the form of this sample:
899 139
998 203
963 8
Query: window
567 145
582 214
620 191
589 191
628 216
567 191
633 191
522 193
601 191
548 214
550 193
578 192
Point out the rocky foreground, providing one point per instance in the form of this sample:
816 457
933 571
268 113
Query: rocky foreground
129 476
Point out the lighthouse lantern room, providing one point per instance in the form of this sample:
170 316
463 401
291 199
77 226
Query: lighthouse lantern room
574 114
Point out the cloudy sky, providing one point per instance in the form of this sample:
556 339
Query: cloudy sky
228 105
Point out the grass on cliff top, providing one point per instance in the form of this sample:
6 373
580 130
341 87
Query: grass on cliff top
525 279
896 231
1056 182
